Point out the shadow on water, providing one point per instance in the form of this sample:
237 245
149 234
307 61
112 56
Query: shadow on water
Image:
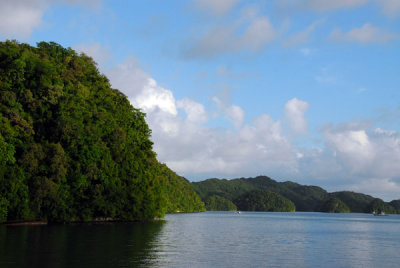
79 245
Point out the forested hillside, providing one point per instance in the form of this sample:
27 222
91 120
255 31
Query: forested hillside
72 148
304 197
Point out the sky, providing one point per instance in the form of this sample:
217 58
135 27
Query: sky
300 90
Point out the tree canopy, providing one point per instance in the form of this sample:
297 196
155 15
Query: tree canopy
304 197
334 205
264 200
74 149
219 203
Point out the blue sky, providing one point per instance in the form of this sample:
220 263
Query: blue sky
301 90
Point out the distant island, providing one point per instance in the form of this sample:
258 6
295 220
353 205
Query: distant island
74 149
265 194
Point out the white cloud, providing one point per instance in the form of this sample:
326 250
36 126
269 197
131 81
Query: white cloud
354 156
195 111
294 112
233 113
353 147
218 8
236 115
141 89
390 7
189 146
20 17
361 154
153 97
365 34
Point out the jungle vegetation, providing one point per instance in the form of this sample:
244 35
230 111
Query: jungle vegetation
334 205
304 197
72 148
219 203
264 200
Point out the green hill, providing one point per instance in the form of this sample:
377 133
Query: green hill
378 205
219 203
396 205
72 148
334 205
263 200
304 197
357 202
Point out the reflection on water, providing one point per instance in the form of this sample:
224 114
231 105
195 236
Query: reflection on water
211 239
80 245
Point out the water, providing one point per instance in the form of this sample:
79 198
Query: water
211 239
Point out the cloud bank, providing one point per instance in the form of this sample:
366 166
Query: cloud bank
355 156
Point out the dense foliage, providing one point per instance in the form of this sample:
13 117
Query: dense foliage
334 205
378 206
72 148
396 205
304 197
357 202
219 203
263 200
180 196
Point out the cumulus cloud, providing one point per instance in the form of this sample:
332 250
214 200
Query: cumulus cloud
366 34
356 157
234 113
195 111
183 139
352 156
353 147
218 8
141 89
20 17
294 112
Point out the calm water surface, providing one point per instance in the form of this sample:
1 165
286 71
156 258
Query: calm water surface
210 239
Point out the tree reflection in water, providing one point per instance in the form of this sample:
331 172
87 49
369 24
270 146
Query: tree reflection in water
79 245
